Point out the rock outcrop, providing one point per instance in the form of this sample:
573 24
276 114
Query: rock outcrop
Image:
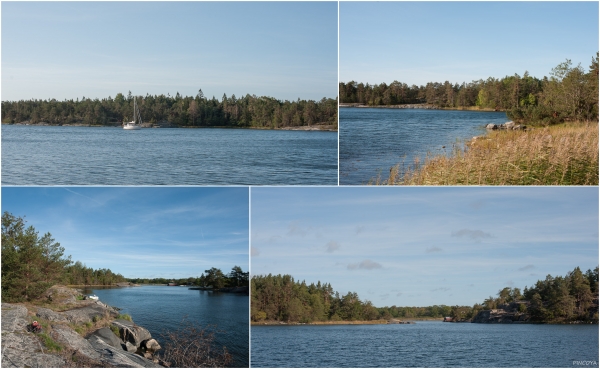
506 313
510 126
134 347
129 332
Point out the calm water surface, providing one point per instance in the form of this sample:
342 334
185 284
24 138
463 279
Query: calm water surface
425 344
160 308
374 140
45 155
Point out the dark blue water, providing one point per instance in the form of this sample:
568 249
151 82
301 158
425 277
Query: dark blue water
425 344
44 155
160 308
373 140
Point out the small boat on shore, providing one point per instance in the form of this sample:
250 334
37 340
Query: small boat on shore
137 118
91 297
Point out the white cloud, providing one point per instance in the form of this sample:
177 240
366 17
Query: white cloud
365 264
474 234
332 246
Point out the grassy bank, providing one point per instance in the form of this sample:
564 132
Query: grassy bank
565 154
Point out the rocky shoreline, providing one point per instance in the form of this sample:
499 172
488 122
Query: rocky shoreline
75 333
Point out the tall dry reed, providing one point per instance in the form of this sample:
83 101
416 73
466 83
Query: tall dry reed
555 155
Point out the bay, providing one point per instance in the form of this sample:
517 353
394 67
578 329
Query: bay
425 344
372 140
56 155
162 308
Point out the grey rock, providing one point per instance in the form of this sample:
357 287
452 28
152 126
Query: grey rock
14 318
128 346
61 295
500 315
87 313
509 125
129 332
491 126
116 357
23 350
150 345
50 315
107 336
68 337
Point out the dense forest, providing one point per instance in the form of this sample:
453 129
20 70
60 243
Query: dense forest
198 111
32 263
555 299
569 94
211 277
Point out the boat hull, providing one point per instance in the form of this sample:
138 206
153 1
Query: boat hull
131 127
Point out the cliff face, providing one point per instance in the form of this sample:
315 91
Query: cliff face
60 345
507 313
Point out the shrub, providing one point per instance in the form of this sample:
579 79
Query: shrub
191 346
124 316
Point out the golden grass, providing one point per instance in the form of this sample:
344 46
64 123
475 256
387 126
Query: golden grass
565 154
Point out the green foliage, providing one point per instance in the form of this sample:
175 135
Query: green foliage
30 263
563 299
214 277
248 111
281 298
124 316
115 330
570 94
50 344
79 274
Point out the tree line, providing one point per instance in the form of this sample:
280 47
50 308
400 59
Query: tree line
573 297
188 111
32 263
281 298
211 277
569 94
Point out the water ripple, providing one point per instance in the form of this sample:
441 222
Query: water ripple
111 156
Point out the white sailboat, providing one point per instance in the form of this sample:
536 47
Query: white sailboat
137 118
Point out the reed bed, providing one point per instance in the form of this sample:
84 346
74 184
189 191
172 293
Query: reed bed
565 154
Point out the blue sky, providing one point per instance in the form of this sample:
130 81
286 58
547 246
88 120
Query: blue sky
141 231
423 246
420 42
68 50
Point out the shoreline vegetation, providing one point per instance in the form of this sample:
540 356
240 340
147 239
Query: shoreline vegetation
424 106
569 94
281 300
80 332
160 111
557 143
563 154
